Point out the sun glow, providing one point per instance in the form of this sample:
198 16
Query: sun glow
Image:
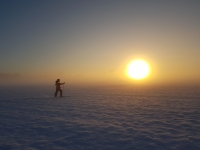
138 69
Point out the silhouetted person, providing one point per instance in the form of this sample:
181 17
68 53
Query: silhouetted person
58 87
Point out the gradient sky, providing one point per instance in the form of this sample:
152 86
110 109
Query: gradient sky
93 41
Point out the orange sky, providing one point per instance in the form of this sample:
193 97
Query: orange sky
93 42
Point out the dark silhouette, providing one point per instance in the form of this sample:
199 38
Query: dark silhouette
58 88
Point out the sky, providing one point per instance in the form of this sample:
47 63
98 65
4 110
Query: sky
92 42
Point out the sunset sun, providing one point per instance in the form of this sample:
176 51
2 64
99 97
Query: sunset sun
138 69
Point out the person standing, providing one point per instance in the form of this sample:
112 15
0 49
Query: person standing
58 88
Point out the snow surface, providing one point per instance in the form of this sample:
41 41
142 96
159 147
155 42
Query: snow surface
135 118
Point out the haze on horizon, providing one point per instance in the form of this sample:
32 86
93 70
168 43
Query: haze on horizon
92 42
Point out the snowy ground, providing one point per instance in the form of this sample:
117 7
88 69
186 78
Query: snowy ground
100 118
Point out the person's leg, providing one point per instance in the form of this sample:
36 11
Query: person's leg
60 93
56 93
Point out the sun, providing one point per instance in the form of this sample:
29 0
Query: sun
138 69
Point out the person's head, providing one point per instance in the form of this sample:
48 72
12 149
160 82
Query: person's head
58 80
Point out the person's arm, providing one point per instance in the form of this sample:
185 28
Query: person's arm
62 83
